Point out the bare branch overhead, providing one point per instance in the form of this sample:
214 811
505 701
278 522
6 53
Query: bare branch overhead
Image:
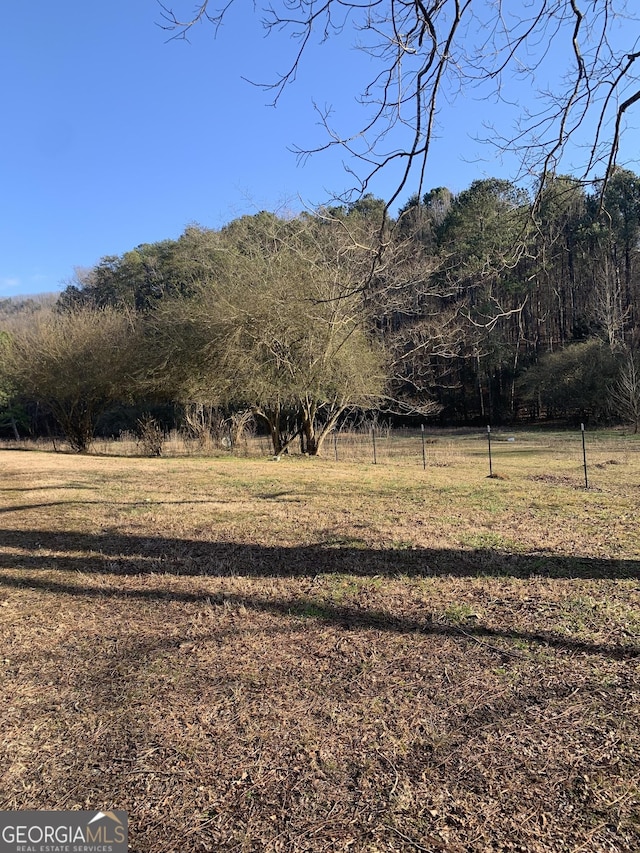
427 53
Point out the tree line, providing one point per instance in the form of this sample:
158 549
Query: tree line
488 305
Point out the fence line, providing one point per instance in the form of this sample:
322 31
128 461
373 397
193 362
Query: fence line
422 448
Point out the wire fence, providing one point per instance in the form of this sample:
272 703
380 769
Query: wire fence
498 453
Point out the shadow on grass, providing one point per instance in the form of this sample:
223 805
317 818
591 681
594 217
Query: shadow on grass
347 617
55 488
116 553
122 504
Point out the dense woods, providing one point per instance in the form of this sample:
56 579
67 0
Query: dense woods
488 306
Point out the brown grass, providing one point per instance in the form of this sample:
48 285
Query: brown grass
318 656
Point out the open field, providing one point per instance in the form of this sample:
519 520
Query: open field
316 655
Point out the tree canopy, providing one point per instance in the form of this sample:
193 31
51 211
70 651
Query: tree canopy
284 334
476 312
76 364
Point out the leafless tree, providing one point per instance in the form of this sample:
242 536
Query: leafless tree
284 338
609 308
626 392
76 364
428 53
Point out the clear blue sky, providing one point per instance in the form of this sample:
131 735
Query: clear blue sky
112 136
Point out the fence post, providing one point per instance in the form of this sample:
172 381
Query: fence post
489 441
373 438
424 454
584 458
335 445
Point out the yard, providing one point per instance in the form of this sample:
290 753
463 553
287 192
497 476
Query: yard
328 654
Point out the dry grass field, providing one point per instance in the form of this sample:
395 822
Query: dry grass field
321 655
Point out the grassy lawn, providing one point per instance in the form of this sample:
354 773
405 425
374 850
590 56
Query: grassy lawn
322 655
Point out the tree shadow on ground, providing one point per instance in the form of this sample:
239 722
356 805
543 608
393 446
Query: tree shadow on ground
118 553
123 504
122 555
347 617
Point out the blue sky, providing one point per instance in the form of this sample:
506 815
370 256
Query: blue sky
112 136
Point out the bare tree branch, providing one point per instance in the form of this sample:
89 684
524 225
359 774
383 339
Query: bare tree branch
426 53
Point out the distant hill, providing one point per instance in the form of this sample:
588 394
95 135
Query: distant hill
17 309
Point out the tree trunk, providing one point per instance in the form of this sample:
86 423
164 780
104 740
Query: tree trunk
280 432
313 437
